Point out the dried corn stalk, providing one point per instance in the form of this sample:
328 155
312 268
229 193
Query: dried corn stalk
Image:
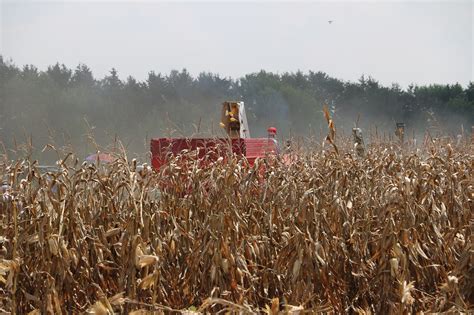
390 233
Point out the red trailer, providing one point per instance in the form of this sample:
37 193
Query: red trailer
210 149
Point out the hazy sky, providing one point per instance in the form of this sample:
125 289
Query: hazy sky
405 42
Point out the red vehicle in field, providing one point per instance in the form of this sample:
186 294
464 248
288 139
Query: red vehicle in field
238 142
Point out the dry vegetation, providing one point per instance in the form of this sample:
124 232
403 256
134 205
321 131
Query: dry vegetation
389 233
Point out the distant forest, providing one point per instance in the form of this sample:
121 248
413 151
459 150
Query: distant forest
63 106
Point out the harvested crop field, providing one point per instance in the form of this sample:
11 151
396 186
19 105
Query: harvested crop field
388 233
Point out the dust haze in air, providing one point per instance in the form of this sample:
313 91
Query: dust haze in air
132 71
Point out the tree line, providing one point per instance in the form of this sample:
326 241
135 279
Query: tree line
67 105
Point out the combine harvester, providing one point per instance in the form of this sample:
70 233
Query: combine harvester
238 141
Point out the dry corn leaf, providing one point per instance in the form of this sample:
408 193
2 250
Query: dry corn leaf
146 260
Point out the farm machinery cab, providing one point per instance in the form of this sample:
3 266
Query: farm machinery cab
238 141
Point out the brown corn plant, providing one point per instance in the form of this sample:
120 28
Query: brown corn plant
389 233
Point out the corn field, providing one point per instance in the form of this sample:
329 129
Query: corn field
388 233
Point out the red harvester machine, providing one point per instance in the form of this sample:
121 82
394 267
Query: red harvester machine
234 122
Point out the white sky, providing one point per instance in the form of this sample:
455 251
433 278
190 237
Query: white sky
405 42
